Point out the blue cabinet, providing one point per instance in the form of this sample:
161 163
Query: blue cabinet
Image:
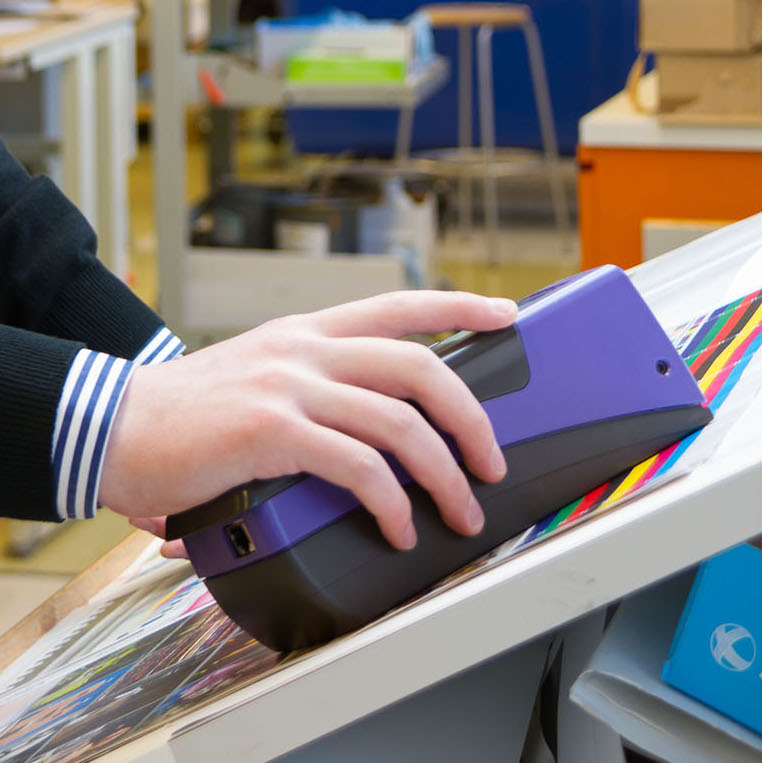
589 46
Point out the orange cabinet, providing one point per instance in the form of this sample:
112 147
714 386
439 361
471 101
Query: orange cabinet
633 168
619 188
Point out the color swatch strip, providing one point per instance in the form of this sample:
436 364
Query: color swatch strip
717 348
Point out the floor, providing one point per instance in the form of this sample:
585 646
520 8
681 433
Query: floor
533 254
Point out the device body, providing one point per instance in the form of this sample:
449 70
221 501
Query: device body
585 385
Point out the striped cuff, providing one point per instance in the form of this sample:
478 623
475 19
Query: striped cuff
89 401
163 345
92 391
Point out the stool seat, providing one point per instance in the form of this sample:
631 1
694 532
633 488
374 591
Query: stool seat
476 14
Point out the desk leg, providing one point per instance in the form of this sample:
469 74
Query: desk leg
111 97
78 131
169 139
130 80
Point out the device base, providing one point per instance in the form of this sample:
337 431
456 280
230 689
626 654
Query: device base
346 574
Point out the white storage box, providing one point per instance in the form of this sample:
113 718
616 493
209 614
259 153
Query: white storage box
276 43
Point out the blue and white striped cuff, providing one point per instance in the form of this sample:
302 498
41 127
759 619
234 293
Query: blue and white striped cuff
91 394
86 411
163 345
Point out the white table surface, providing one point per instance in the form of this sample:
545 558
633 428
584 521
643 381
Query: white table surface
616 124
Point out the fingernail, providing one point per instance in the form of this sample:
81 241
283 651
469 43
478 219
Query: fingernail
409 538
497 460
501 306
475 516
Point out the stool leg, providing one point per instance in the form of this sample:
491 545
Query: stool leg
465 138
547 128
487 125
404 134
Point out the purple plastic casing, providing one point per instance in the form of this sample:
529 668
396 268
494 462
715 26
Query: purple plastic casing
592 346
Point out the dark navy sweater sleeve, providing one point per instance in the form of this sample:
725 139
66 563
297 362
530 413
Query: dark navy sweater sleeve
56 298
33 368
50 279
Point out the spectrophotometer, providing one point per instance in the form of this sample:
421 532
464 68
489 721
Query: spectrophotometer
584 385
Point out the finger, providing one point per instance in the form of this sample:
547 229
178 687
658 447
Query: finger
407 370
154 525
356 466
174 549
397 427
415 312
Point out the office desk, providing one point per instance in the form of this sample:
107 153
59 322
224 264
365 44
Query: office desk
633 167
86 51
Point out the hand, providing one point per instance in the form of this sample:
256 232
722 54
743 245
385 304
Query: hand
171 549
320 393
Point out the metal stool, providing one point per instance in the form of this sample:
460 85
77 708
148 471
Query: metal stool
485 17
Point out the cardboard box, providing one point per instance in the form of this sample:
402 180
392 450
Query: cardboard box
710 84
716 655
709 26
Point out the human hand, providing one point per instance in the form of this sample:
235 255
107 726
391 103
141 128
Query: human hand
320 393
171 549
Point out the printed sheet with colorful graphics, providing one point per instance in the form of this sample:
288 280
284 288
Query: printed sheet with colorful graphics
150 647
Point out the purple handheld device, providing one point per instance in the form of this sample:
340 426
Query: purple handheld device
585 385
